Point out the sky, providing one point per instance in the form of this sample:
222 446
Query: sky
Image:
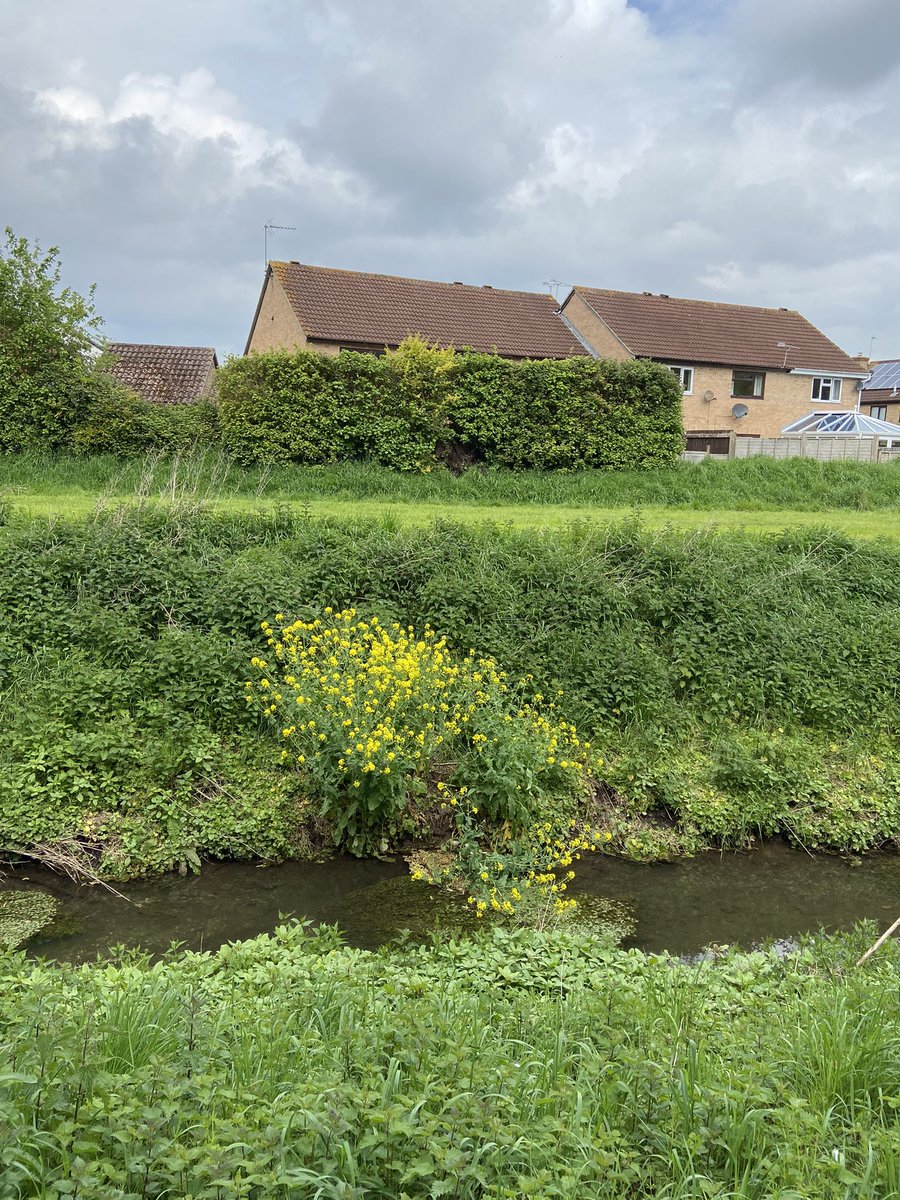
736 150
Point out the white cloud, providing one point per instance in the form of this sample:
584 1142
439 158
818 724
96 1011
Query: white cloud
189 111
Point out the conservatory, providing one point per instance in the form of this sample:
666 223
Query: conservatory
846 423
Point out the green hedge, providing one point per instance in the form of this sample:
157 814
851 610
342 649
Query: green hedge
418 406
117 421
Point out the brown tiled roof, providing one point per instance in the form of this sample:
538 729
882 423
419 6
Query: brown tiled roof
703 331
879 396
163 374
355 308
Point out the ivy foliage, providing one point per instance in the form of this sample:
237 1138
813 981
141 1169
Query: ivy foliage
414 407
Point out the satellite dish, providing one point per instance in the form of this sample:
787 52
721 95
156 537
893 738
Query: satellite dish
708 396
739 410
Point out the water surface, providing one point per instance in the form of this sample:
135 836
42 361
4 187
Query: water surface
772 892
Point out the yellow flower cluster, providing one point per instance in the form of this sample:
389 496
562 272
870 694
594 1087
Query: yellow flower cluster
538 874
371 700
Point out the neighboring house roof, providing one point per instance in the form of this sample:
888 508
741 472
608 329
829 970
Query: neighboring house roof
848 423
883 385
703 331
163 374
361 309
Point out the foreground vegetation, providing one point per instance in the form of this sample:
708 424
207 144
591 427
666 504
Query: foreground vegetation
732 686
504 1066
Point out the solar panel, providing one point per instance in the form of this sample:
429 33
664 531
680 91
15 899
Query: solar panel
885 375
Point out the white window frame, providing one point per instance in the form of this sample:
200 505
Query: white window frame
820 383
685 376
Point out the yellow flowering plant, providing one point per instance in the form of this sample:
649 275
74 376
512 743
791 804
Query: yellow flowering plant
373 715
524 879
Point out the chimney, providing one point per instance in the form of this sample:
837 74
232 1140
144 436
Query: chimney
862 361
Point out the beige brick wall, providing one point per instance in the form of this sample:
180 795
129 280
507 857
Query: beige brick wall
893 410
595 332
785 398
276 328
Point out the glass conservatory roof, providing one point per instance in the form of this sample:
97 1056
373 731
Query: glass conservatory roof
845 423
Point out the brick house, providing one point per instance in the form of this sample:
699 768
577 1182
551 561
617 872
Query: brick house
328 310
164 374
880 396
742 369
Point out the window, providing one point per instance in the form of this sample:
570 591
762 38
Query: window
826 389
879 411
685 376
747 383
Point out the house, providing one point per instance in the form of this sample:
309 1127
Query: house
742 369
328 310
164 374
880 395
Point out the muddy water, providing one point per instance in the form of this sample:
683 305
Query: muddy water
770 893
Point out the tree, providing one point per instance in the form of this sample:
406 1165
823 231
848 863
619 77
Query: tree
46 375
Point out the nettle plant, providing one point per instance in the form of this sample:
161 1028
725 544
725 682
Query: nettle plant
375 717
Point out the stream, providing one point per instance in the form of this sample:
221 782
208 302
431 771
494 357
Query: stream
772 892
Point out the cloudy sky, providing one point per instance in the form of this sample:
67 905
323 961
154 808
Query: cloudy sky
742 150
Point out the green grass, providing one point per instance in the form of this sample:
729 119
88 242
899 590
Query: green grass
538 516
754 485
758 496
509 1066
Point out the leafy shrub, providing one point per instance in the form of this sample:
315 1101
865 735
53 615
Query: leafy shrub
117 421
46 381
401 408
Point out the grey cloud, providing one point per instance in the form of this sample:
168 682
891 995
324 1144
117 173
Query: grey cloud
682 149
839 45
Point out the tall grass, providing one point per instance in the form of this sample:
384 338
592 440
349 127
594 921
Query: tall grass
509 1066
756 484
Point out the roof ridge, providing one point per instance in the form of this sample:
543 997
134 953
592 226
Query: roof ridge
163 346
580 287
475 287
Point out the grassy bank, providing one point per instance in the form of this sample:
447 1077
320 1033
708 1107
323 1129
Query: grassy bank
506 1066
753 485
733 686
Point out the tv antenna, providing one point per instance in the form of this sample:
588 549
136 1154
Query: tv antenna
787 349
270 227
872 340
553 285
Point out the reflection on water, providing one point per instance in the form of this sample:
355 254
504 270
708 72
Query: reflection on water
771 892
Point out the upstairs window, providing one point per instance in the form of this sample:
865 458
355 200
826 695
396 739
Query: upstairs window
685 376
747 384
826 389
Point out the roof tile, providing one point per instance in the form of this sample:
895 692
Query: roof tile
703 331
163 374
357 308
